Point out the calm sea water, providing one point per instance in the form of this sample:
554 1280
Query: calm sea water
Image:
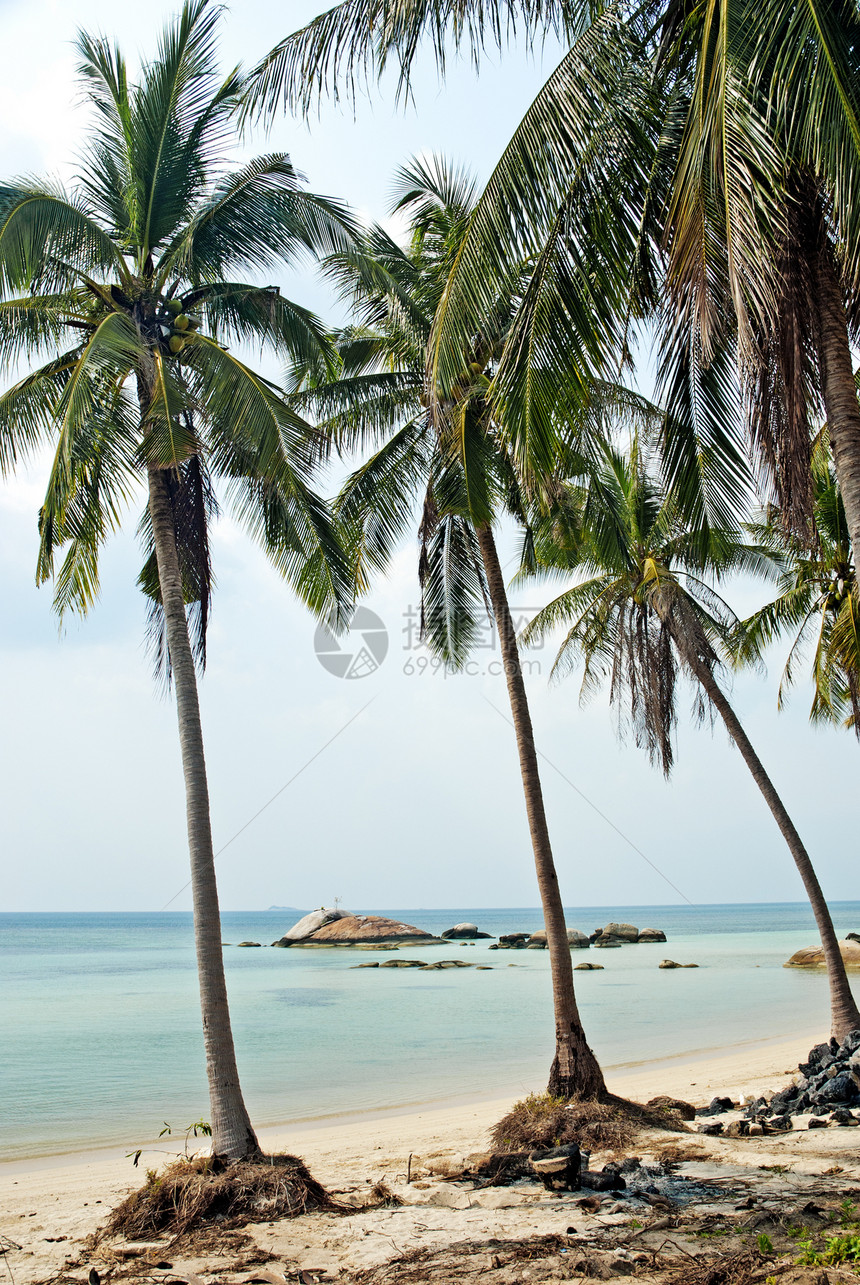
101 1038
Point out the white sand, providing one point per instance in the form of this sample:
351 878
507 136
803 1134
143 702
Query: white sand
65 1198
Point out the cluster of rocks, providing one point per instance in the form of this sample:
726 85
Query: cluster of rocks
422 967
827 1085
611 935
623 934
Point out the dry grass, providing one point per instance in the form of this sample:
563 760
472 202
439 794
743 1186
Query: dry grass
541 1121
742 1268
190 1193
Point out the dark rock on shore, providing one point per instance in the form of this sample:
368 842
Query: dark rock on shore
249 943
651 934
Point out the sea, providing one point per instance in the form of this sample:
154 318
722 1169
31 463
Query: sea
101 1042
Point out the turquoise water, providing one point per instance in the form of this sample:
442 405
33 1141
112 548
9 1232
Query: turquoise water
101 1037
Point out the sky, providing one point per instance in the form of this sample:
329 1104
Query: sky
398 788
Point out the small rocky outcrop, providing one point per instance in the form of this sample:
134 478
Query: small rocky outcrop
671 963
577 940
513 941
813 956
651 934
249 943
349 929
309 924
826 1087
588 968
464 932
619 933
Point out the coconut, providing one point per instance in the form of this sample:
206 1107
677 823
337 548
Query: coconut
174 306
181 322
177 343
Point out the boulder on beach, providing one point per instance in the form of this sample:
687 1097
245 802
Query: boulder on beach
651 934
309 924
349 929
619 932
813 957
464 932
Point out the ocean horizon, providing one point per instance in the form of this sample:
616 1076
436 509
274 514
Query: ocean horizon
103 1045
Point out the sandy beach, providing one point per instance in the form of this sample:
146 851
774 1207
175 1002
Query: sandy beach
47 1207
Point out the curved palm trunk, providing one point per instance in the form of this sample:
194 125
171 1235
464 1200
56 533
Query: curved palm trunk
575 1070
838 388
844 1015
233 1138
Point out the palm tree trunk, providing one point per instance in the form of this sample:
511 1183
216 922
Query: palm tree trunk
575 1070
838 388
233 1138
844 1015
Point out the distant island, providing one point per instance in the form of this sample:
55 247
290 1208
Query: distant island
292 910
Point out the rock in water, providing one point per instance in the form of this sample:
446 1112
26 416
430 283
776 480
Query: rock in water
620 932
368 928
577 940
813 956
309 924
588 968
651 934
464 932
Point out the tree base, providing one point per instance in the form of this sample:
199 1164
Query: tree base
192 1192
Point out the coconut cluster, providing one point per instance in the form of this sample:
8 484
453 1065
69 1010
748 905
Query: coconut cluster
177 326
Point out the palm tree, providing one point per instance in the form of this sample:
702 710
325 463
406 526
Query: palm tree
455 463
639 613
722 139
817 604
99 288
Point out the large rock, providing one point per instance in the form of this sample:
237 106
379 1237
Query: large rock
619 932
813 957
349 929
463 932
577 940
651 934
309 924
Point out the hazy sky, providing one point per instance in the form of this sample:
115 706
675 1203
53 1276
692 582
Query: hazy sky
417 802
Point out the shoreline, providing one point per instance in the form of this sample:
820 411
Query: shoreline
740 1064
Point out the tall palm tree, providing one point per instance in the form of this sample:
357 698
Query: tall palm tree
639 613
125 293
723 139
454 466
817 605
